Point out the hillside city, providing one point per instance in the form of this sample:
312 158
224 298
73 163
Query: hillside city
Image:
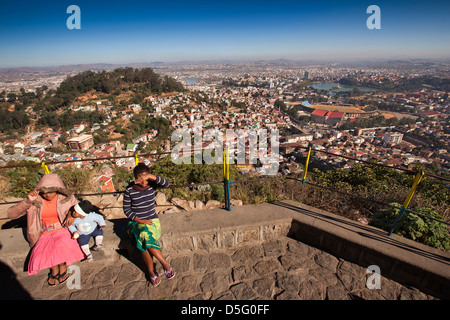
356 111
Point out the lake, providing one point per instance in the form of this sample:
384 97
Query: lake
330 85
191 80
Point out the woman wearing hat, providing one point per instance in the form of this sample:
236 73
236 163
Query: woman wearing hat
47 208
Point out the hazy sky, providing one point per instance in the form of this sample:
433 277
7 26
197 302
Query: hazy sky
35 33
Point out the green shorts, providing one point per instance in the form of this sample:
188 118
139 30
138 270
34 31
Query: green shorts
144 236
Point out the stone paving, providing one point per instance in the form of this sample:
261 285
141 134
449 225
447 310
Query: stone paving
278 269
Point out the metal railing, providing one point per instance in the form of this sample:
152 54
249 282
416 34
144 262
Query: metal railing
227 182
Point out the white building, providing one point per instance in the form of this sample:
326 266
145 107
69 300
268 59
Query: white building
82 142
393 137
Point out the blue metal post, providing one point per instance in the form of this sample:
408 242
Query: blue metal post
228 201
396 221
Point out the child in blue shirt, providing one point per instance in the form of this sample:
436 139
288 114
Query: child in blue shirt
87 224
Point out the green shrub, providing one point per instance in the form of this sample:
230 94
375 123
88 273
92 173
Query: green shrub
415 227
217 192
77 180
22 180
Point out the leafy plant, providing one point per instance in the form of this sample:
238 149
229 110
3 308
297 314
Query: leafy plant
415 227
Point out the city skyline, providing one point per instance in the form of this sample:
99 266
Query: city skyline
36 34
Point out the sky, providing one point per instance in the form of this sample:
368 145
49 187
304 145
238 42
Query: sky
35 33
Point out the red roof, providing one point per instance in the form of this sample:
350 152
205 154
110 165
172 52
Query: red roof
319 112
335 114
107 185
430 113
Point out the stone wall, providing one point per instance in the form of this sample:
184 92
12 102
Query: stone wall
111 205
405 272
225 237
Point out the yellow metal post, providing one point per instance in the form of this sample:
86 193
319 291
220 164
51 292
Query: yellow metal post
226 178
224 166
413 188
45 168
407 200
306 165
228 164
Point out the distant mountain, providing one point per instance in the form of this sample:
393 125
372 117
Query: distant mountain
350 62
64 68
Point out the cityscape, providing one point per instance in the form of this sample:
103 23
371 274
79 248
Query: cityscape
370 81
335 107
293 150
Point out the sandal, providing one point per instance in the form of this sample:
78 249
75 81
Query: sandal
169 273
50 276
62 275
156 280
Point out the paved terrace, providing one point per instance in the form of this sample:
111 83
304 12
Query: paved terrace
281 251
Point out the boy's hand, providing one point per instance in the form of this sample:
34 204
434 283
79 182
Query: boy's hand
151 177
75 235
143 221
148 176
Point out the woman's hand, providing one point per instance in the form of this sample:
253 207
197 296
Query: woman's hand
68 220
33 195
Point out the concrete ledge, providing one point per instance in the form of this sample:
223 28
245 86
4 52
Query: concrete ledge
399 259
219 228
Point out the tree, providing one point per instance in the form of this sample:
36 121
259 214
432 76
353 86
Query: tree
16 120
279 104
12 97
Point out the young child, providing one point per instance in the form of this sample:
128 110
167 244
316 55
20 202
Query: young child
87 224
144 228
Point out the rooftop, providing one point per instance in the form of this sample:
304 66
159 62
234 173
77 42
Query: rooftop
80 138
336 108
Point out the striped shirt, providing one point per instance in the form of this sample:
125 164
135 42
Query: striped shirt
141 204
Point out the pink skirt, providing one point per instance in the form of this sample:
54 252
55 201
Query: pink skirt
52 249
